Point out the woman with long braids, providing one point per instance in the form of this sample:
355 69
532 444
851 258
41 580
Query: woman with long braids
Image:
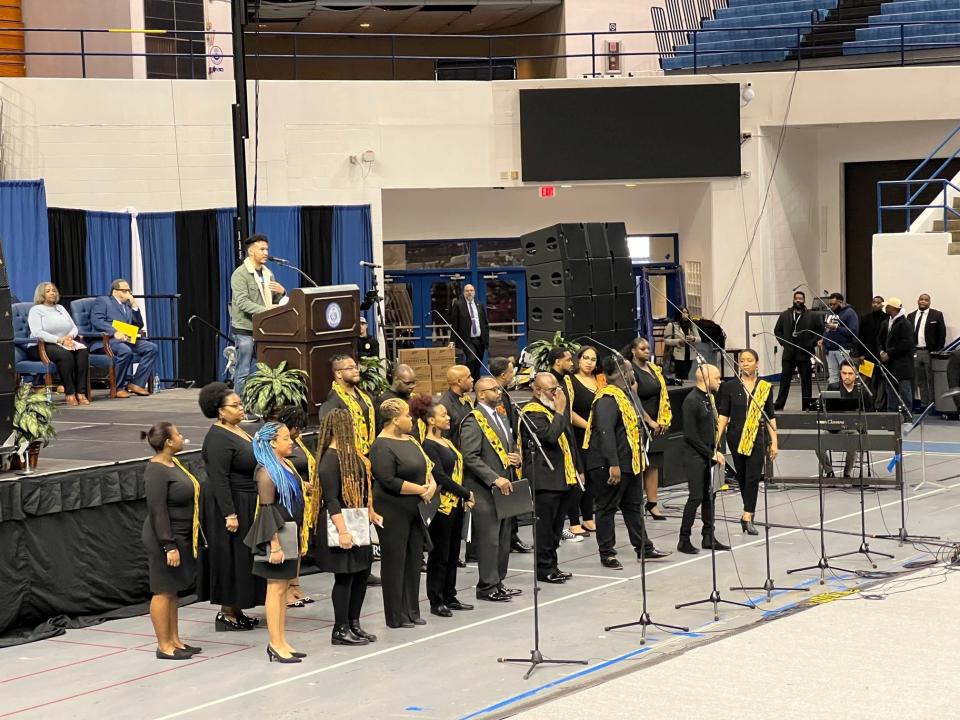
280 501
741 406
657 414
344 483
228 502
447 524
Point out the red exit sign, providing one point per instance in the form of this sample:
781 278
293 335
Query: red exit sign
547 191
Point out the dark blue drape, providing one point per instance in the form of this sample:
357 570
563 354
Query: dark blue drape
108 250
281 225
353 242
228 263
158 242
24 234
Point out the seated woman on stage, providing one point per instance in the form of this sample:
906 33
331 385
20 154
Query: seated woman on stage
280 509
171 534
742 405
303 459
401 480
344 483
51 322
447 525
657 414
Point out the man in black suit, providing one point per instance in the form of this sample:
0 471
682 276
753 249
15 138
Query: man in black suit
471 334
487 470
546 419
456 399
896 353
929 335
503 372
797 347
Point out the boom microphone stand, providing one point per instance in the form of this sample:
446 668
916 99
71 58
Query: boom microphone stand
536 655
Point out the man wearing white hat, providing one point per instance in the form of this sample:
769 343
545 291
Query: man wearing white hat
897 347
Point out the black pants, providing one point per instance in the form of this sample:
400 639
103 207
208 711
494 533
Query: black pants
698 484
72 366
749 472
580 504
627 497
788 363
349 589
445 532
474 363
681 369
401 553
550 507
491 539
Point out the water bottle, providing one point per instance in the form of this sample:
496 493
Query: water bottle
49 394
156 383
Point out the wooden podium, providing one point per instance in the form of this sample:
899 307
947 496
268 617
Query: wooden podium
316 324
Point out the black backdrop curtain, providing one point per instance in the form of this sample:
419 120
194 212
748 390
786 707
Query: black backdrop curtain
68 252
198 283
316 243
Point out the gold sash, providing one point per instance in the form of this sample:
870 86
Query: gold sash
664 412
311 494
569 468
363 428
196 504
749 435
490 434
630 423
449 501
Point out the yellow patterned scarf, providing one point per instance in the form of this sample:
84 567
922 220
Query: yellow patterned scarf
449 501
420 430
664 412
196 505
311 494
749 435
568 384
364 427
569 468
630 423
492 437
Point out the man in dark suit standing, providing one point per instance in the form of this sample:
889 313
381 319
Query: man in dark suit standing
489 459
789 332
456 400
929 335
471 333
896 353
121 305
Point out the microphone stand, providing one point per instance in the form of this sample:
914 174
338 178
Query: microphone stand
536 655
381 323
287 264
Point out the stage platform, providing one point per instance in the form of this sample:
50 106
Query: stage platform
448 668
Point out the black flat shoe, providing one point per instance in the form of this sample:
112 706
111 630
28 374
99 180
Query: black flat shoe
360 632
564 575
714 545
654 554
553 579
225 624
649 506
457 605
611 562
748 527
177 654
274 655
687 547
192 649
373 580
512 592
441 611
342 635
419 621
518 546
403 624
495 596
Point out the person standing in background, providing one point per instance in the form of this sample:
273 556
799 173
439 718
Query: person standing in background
678 337
789 332
896 354
471 331
869 347
929 335
404 382
839 336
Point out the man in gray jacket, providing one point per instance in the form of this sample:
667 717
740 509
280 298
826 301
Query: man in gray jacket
253 290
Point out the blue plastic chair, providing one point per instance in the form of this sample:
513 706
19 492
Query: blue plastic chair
80 311
24 366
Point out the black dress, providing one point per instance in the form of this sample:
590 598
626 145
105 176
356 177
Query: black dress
648 392
582 403
446 527
272 517
733 402
168 526
224 574
580 503
335 559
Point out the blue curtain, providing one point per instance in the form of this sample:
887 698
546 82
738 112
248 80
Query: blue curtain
24 234
228 263
108 250
158 243
353 242
281 225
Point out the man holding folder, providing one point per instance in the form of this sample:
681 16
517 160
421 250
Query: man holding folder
119 317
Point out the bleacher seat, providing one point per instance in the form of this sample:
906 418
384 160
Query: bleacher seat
38 371
934 24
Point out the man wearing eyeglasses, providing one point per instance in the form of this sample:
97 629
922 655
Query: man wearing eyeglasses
122 306
346 394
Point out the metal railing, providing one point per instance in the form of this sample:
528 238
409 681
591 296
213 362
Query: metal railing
905 49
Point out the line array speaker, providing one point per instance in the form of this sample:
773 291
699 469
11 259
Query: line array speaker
7 358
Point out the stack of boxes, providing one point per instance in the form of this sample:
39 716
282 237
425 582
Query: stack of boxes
431 367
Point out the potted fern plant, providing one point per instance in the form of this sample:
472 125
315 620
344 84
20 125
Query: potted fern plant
270 389
373 376
537 351
32 427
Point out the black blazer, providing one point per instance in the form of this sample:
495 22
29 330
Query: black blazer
897 341
785 332
935 332
549 433
460 320
608 438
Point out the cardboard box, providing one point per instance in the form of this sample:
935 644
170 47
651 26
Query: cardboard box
423 388
440 386
413 357
423 373
443 356
439 372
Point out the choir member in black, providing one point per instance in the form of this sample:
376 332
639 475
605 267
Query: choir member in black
446 527
456 399
345 393
344 483
280 496
700 436
489 459
746 413
586 382
614 462
171 535
228 502
404 382
401 480
545 417
657 414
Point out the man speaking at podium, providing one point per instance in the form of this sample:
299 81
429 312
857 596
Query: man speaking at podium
253 289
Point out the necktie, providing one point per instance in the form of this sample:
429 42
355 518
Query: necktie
919 320
474 321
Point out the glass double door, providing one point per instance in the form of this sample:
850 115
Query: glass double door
418 307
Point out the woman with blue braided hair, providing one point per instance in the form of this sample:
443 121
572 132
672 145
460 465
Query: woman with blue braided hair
280 501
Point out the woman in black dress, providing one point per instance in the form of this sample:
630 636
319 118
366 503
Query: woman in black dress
344 483
401 480
303 459
447 525
739 406
280 501
657 415
586 382
228 501
171 534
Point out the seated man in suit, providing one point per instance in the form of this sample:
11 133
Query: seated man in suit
122 306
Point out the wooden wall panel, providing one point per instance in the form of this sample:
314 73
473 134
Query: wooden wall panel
11 38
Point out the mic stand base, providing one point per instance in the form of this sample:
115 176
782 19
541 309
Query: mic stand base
716 600
536 659
823 564
644 622
904 537
865 550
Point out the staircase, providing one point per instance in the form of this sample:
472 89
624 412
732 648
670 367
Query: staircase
952 227
935 24
827 37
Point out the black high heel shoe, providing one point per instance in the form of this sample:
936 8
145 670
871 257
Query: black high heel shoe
274 655
649 506
225 624
748 527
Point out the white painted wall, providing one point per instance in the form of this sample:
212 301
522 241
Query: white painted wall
589 16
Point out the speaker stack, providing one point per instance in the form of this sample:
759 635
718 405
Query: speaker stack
7 360
580 283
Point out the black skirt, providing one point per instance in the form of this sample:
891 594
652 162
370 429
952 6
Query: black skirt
335 559
163 578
